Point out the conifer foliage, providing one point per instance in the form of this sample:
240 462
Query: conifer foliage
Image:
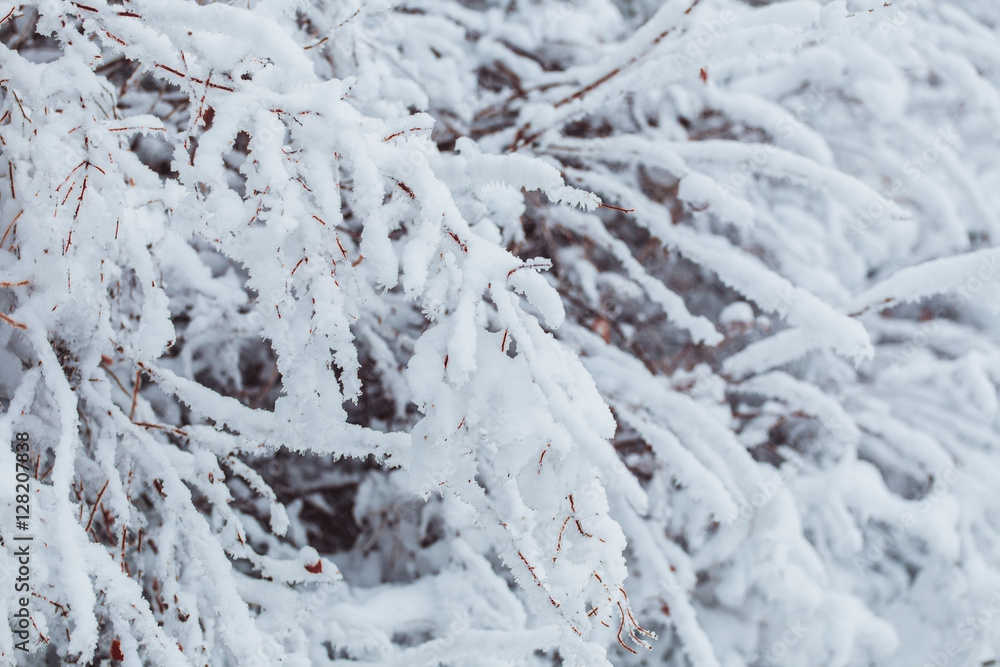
502 332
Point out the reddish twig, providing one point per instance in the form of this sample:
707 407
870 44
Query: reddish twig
621 626
135 395
401 132
97 504
542 456
9 227
616 208
12 322
319 43
459 241
406 189
20 106
559 540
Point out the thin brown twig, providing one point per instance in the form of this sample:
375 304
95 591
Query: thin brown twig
107 369
9 227
135 395
12 322
616 208
97 504
160 427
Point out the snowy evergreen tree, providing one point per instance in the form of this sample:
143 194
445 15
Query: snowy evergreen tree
469 332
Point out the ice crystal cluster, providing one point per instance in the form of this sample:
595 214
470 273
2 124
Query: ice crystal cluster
502 332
